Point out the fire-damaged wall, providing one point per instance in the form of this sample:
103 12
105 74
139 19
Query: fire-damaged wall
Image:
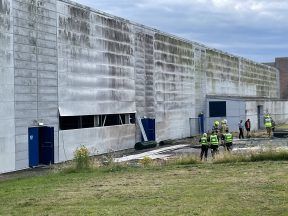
174 86
7 114
64 62
35 63
96 77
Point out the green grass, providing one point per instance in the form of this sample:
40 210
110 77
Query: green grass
268 155
259 188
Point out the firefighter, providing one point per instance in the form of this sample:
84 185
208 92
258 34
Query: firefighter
268 123
204 146
224 126
228 140
214 143
216 126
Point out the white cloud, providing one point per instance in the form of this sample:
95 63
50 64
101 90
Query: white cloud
241 26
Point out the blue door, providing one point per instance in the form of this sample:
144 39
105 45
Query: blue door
149 127
33 141
41 146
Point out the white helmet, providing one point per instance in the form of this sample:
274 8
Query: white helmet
205 134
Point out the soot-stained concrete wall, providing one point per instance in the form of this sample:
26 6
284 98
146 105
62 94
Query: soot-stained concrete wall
57 54
234 76
36 79
96 63
7 114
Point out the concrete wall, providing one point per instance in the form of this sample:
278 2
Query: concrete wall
235 111
97 140
59 54
235 76
95 63
7 114
277 109
174 87
96 76
35 58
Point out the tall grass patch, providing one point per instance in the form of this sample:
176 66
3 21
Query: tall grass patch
255 156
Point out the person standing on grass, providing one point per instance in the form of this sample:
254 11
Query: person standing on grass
214 143
240 126
248 127
204 146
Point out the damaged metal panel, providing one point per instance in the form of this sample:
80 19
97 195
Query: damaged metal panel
97 140
95 63
7 112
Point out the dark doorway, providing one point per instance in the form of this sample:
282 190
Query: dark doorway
41 146
260 114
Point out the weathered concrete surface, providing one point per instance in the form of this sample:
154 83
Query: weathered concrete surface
7 114
97 140
278 110
35 58
59 54
174 87
95 63
235 76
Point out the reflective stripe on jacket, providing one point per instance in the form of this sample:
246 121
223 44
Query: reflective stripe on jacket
204 141
268 122
214 140
228 137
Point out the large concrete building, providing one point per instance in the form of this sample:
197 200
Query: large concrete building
87 73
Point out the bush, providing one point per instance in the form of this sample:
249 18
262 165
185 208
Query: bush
81 158
146 161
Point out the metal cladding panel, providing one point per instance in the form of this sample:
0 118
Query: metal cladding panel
97 140
7 112
95 63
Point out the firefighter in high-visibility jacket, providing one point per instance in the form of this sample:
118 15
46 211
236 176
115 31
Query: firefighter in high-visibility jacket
228 140
214 143
216 126
268 124
204 146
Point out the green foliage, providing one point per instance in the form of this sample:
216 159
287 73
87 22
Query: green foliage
146 161
206 189
81 158
271 155
184 160
268 155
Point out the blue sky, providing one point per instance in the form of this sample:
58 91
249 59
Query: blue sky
255 29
